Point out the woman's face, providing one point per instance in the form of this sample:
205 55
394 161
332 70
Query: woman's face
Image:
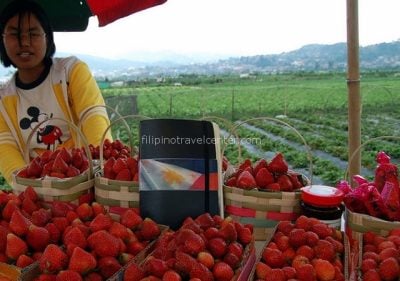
25 43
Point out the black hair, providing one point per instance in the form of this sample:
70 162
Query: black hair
21 8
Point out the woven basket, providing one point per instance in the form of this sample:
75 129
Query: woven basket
264 209
116 195
53 189
355 223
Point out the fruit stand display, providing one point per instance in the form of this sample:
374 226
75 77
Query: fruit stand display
63 174
373 205
62 238
306 249
207 247
379 256
263 194
116 185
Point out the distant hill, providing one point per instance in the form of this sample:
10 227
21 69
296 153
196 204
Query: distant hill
314 57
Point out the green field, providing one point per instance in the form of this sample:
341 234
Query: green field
313 104
309 104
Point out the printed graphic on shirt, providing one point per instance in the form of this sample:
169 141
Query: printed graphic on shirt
47 134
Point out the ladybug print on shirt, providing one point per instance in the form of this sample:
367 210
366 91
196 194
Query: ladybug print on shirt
47 134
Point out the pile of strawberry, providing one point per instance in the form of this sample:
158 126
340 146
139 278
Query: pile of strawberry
123 169
380 256
205 248
273 176
306 250
61 163
114 149
69 242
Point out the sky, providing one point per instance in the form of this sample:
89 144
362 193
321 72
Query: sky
233 27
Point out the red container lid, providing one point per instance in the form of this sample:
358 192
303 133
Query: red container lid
321 196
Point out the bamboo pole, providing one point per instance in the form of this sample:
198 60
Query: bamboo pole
353 87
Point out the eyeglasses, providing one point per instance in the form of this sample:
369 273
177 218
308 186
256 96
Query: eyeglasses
32 35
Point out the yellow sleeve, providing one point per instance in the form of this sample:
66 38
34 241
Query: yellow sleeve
85 94
11 158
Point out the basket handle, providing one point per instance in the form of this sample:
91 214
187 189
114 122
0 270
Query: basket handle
135 117
82 118
346 174
72 126
230 126
309 154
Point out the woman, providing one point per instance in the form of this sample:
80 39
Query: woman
42 88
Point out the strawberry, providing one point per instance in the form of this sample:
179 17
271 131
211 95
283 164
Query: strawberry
74 236
261 163
149 230
132 165
30 193
68 275
82 261
77 158
296 180
155 266
108 168
24 261
108 266
120 231
84 211
54 233
285 183
228 232
19 224
235 248
15 246
35 168
264 177
200 271
217 247
193 244
59 165
65 155
205 221
101 221
29 206
3 238
231 181
37 237
23 173
245 236
53 259
124 175
171 275
9 209
120 164
245 164
184 262
246 180
133 273
278 164
98 208
41 217
60 208
130 219
45 157
104 244
222 272
72 171
206 259
47 168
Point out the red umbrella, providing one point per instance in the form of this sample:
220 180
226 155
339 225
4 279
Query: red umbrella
73 15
